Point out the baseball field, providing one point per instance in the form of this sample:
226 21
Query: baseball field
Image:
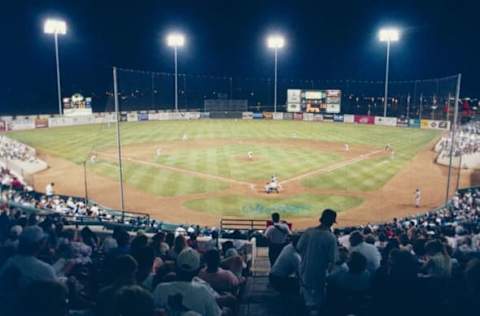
199 171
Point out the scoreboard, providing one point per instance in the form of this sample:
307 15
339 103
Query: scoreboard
314 101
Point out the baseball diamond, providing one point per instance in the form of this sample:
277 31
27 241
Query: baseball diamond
199 171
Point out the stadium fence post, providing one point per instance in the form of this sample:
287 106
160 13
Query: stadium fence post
119 145
453 129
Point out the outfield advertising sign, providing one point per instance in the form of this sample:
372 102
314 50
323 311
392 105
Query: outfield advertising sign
247 115
338 118
385 121
22 124
308 116
258 116
402 122
278 116
348 118
318 117
328 117
268 115
132 117
298 116
415 123
142 116
432 124
3 126
41 123
288 116
364 119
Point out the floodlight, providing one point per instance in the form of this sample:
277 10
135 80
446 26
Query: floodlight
54 26
389 35
175 40
275 41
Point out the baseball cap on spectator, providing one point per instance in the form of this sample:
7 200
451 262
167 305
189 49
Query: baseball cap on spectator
328 217
188 260
32 235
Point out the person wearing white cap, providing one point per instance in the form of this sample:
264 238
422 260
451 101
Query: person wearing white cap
185 294
29 268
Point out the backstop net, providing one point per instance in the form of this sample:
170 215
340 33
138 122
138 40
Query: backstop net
420 99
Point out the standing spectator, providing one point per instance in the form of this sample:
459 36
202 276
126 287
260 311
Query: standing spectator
49 191
370 252
277 236
184 294
318 249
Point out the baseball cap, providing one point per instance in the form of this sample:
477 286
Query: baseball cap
32 234
188 260
329 216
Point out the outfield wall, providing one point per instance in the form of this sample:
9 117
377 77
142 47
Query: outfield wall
25 122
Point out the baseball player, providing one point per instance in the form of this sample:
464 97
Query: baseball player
93 158
158 152
250 155
418 197
184 137
347 147
388 147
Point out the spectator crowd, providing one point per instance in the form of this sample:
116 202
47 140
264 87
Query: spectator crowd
11 149
427 264
467 140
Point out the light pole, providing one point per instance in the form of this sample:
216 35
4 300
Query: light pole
275 42
56 27
387 35
176 40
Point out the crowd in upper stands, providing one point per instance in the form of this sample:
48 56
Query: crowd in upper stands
13 149
467 140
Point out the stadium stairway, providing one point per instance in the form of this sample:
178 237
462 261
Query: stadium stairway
258 298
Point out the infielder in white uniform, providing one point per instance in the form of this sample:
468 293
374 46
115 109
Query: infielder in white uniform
418 197
250 155
347 147
158 152
184 137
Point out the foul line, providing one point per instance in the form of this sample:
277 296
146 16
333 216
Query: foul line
186 171
330 168
333 167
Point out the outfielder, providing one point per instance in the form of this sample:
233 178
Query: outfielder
250 155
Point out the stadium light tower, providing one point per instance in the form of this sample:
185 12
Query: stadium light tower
275 42
56 27
176 40
387 35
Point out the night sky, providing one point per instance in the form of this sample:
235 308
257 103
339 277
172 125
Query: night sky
325 40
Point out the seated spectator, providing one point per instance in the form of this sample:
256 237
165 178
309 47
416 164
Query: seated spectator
124 270
160 247
439 264
219 279
355 279
284 273
369 251
43 298
180 243
12 240
133 301
184 294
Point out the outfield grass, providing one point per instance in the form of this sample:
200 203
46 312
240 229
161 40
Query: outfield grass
303 205
227 158
231 160
157 181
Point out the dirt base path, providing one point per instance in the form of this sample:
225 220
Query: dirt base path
395 199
